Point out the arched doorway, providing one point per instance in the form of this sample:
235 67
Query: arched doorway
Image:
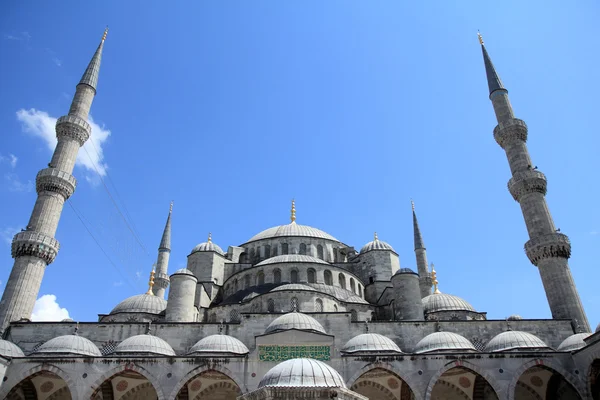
211 384
460 383
380 383
126 385
595 380
41 385
543 383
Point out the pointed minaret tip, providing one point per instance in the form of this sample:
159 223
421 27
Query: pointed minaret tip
171 207
412 203
494 82
480 38
418 238
90 76
105 33
293 216
165 241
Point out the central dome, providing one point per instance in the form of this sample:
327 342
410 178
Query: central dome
445 302
292 229
141 303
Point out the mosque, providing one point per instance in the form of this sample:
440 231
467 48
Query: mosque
295 313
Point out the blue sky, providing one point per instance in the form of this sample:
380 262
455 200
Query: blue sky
231 109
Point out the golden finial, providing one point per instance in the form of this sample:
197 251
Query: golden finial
151 282
209 237
412 203
375 236
434 280
480 38
293 218
105 33
171 207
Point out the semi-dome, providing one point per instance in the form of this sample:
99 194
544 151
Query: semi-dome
515 340
376 244
69 345
370 342
219 344
295 320
303 372
445 302
292 258
444 341
292 229
9 349
144 344
208 246
292 286
515 317
141 303
573 342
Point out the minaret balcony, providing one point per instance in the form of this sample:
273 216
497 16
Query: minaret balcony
509 131
31 243
55 180
73 127
524 182
551 245
161 280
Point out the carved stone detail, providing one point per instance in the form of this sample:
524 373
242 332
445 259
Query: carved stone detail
30 243
523 182
509 131
73 127
161 280
548 246
54 180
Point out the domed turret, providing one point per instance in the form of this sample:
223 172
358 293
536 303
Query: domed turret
208 246
295 320
407 296
144 345
219 344
9 349
68 345
376 244
303 372
573 342
515 317
515 340
180 307
444 342
371 343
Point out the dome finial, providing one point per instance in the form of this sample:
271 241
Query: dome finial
293 217
171 207
434 280
151 281
209 237
412 203
480 38
375 236
105 33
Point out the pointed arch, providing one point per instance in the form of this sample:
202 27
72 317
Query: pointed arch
410 382
11 384
550 365
200 370
124 368
496 387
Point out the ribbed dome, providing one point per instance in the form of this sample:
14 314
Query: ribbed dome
219 344
376 245
141 303
183 271
370 342
144 344
405 271
443 341
292 229
515 340
9 349
573 342
69 345
304 372
292 258
208 246
445 302
292 286
294 320
515 317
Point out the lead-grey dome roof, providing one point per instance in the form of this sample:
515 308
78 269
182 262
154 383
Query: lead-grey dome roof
370 342
515 340
208 246
141 303
376 245
9 349
405 271
292 229
573 342
292 286
144 344
515 317
444 341
69 345
295 320
445 302
302 372
219 344
292 258
183 271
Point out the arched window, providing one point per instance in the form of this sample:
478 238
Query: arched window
277 276
267 251
274 250
312 275
234 315
246 281
373 316
318 305
360 294
320 252
353 316
294 276
271 305
235 285
328 277
256 258
260 279
352 285
243 258
294 304
302 248
284 248
251 260
342 279
335 255
335 308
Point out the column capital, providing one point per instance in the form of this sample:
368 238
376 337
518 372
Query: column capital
31 243
548 246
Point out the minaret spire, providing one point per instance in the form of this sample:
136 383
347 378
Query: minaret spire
547 248
162 263
421 256
35 247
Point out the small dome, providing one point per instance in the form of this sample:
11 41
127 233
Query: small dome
573 342
219 344
183 271
445 302
292 286
444 341
370 342
208 246
376 244
9 349
67 320
292 258
515 317
295 320
141 303
144 344
405 271
304 372
292 229
69 345
515 340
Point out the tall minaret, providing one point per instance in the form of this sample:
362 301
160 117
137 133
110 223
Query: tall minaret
35 247
421 255
547 248
162 263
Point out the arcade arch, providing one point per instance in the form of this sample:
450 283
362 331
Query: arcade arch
210 384
41 385
461 383
540 382
125 385
380 383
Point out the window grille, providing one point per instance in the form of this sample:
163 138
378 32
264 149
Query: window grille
294 305
353 316
234 315
318 305
271 305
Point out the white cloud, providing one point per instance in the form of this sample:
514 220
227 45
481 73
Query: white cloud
57 61
47 309
14 184
10 159
91 156
20 36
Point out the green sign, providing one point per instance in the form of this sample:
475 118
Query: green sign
282 353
